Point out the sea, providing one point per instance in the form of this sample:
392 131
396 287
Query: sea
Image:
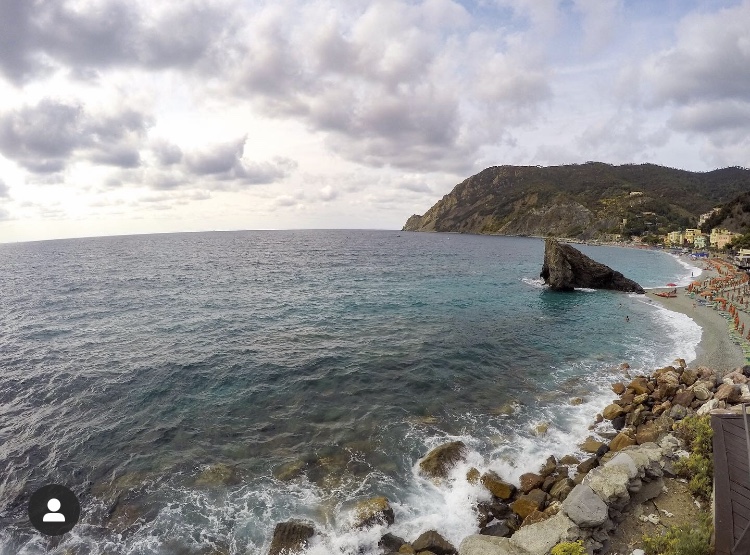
196 389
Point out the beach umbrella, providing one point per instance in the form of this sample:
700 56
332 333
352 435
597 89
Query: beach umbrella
706 294
720 299
671 285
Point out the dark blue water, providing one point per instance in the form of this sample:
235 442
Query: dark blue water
194 389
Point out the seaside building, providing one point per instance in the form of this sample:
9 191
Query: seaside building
675 238
690 234
743 259
700 241
720 237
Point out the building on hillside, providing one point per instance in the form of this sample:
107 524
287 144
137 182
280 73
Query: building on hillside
690 235
720 237
700 241
703 217
675 238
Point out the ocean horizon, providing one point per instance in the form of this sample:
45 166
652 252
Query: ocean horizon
194 389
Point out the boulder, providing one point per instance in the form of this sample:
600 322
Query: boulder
472 475
569 459
549 466
434 542
612 411
618 388
648 432
478 544
497 486
500 530
489 510
370 512
438 462
390 542
621 441
541 537
678 412
730 393
683 398
707 407
530 481
566 268
639 386
528 503
562 488
591 445
610 483
585 508
291 537
619 422
735 376
701 392
689 377
587 465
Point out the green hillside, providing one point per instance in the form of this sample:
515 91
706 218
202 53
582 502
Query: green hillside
591 200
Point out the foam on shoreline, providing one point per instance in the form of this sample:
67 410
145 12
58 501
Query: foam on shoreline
715 348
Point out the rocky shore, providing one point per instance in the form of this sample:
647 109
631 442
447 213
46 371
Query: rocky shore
633 450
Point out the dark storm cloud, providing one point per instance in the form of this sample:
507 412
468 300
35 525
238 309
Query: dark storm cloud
45 137
35 35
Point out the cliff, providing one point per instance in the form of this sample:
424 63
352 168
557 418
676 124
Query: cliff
586 201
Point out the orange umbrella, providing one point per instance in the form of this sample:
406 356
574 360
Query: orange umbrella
720 299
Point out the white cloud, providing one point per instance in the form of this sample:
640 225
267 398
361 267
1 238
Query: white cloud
303 113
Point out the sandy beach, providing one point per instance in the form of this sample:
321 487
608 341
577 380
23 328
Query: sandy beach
717 348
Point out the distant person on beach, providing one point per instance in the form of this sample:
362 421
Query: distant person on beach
627 318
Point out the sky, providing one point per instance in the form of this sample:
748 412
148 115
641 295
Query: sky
143 116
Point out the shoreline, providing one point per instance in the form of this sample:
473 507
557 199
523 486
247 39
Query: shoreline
716 349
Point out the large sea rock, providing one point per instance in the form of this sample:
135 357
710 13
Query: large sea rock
566 268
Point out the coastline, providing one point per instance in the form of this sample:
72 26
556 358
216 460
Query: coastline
716 349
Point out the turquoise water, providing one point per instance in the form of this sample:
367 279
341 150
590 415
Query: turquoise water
331 359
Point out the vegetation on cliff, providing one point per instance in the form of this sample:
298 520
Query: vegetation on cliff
587 201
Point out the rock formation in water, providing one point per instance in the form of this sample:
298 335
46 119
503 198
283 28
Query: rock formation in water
566 268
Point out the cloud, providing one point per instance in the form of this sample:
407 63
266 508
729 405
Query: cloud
38 37
600 22
416 187
328 194
224 162
703 79
391 83
710 60
167 153
217 159
46 137
4 191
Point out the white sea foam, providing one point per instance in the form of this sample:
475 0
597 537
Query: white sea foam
695 271
683 332
537 283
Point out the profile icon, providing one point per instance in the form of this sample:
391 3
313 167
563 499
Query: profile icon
54 516
54 510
